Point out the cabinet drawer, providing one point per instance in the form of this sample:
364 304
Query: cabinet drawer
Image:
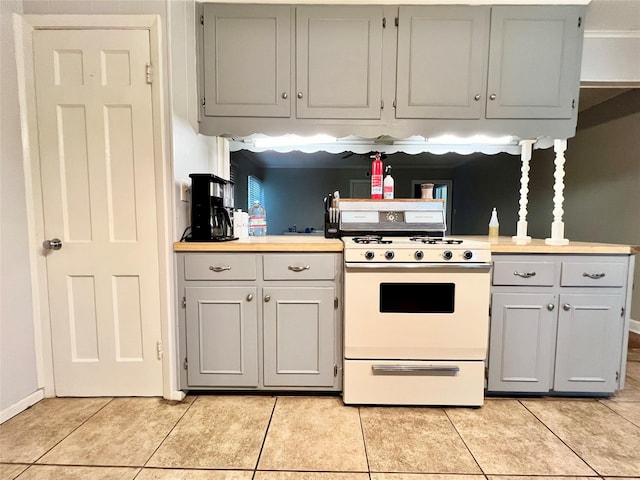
299 267
593 274
538 274
220 266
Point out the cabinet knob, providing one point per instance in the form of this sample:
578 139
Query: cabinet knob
477 97
492 96
299 94
550 307
285 95
267 298
566 307
249 297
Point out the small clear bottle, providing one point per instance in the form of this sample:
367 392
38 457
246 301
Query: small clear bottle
257 220
494 226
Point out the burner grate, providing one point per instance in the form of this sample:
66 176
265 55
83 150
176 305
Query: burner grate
377 239
436 240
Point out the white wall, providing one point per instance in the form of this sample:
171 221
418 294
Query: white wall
18 375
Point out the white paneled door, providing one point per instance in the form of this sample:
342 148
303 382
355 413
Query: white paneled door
94 108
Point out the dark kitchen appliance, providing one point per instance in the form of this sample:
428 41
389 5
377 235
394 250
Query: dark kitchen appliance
211 208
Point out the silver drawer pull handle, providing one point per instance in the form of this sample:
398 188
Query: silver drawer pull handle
525 274
595 276
433 370
295 268
219 269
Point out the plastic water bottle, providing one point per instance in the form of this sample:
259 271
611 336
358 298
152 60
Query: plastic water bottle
257 220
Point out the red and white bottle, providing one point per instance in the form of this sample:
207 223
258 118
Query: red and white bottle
387 184
376 176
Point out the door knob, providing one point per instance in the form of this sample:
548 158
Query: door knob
267 298
285 95
477 97
53 244
566 307
492 96
550 307
300 95
249 297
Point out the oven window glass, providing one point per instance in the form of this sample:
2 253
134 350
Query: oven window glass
417 297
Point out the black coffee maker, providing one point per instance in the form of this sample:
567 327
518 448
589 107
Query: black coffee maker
211 208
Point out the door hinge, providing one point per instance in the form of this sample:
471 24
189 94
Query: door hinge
489 310
336 302
149 72
159 349
617 376
622 312
397 21
381 104
185 364
204 101
394 103
384 22
201 19
335 370
184 302
579 22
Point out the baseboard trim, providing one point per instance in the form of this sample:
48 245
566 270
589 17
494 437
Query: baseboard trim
634 326
22 405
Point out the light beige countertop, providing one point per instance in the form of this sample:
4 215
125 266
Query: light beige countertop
315 243
537 245
270 243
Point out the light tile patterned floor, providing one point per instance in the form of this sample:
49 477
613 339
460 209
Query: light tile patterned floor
260 437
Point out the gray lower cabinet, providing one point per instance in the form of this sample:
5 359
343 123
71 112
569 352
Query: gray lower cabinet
299 336
260 321
222 336
558 323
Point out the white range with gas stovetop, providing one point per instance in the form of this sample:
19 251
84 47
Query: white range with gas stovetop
416 306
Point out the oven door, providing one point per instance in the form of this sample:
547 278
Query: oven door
416 311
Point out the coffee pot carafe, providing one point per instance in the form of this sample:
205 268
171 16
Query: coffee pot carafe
211 208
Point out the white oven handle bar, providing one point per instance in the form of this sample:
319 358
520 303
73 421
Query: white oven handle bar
448 266
415 369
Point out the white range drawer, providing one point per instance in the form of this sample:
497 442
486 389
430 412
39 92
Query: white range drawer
381 382
220 266
593 274
537 274
289 266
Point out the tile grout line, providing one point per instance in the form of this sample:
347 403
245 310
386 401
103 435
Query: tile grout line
71 432
465 444
264 439
364 442
167 435
561 440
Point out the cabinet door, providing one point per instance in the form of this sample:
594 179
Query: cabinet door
339 62
442 55
521 346
247 60
222 336
299 336
534 61
589 343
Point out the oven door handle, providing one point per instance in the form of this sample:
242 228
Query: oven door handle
448 266
415 370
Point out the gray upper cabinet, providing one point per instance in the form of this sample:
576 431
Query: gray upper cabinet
247 53
534 60
442 57
339 62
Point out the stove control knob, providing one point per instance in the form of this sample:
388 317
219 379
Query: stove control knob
369 255
419 255
447 255
467 254
388 255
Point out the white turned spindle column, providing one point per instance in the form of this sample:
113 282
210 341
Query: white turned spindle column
557 226
521 232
